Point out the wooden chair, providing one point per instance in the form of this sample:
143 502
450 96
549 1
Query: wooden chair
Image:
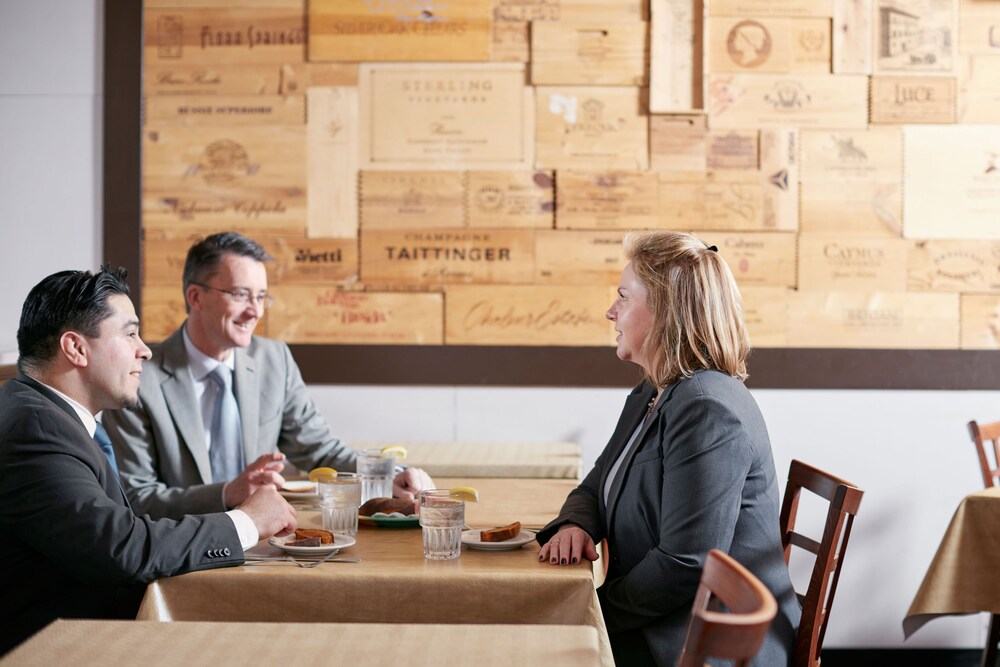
844 498
736 634
981 434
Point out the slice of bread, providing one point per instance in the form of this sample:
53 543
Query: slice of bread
386 506
325 536
501 534
305 542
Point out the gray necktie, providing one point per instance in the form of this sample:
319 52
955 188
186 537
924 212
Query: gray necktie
226 454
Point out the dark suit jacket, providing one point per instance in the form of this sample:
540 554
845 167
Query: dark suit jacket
161 446
71 545
700 476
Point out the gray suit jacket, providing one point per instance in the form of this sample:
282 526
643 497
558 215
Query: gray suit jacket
72 547
161 446
699 476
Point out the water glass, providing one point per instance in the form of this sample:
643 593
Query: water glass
377 473
441 519
339 498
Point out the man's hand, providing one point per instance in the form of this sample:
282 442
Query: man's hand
269 512
262 472
410 482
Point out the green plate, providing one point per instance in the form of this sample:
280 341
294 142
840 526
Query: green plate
394 520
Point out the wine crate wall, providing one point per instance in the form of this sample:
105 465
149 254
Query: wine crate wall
463 172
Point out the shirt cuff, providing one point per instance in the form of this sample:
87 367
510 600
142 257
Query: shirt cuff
245 528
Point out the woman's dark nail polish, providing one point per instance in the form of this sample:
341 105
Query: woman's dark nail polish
563 561
575 561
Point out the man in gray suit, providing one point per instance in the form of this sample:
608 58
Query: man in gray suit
177 454
73 548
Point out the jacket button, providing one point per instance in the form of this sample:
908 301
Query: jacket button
225 552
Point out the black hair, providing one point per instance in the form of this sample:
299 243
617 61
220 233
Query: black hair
204 257
65 301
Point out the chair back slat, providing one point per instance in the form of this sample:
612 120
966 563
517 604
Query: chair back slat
737 633
982 434
844 501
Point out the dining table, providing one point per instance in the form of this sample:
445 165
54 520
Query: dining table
394 583
185 643
551 460
961 578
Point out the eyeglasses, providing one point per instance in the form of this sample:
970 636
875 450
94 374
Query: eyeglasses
242 295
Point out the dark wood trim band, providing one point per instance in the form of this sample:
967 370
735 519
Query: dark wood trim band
478 365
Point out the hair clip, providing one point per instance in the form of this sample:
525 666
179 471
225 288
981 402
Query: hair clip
712 248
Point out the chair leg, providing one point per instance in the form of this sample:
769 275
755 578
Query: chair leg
990 652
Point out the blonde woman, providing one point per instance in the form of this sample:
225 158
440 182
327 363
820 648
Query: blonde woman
689 466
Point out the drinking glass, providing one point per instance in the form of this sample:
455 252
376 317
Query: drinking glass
339 497
377 473
441 519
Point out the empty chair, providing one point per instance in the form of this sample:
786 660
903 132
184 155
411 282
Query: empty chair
731 614
981 434
844 498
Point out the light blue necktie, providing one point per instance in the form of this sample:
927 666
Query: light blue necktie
226 454
104 442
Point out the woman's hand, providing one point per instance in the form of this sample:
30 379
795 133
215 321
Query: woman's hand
569 545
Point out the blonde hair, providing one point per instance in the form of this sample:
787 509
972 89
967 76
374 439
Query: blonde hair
697 309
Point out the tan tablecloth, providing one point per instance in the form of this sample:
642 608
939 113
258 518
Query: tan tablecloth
393 583
554 460
962 578
103 643
533 502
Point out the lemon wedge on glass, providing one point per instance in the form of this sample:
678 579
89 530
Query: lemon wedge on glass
466 493
394 451
316 473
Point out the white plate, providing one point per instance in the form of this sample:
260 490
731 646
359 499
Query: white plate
470 538
298 490
340 542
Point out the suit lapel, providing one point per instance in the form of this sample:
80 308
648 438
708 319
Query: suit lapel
632 414
182 402
247 388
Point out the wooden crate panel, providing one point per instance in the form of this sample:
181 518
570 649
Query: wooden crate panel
164 250
211 80
579 258
510 41
979 88
841 263
412 199
731 205
317 315
163 312
914 38
174 4
526 10
457 116
779 178
301 260
297 78
332 154
359 30
913 99
222 36
762 259
590 53
980 322
608 11
852 156
768 44
677 142
863 209
771 7
765 311
893 320
770 100
953 266
676 62
160 110
240 176
580 126
978 27
443 256
607 200
528 315
961 201
510 199
852 37
733 149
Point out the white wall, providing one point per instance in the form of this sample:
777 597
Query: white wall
908 450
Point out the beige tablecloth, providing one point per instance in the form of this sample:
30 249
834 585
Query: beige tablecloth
533 502
103 643
962 578
554 460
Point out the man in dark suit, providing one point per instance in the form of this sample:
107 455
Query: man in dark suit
172 463
72 545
